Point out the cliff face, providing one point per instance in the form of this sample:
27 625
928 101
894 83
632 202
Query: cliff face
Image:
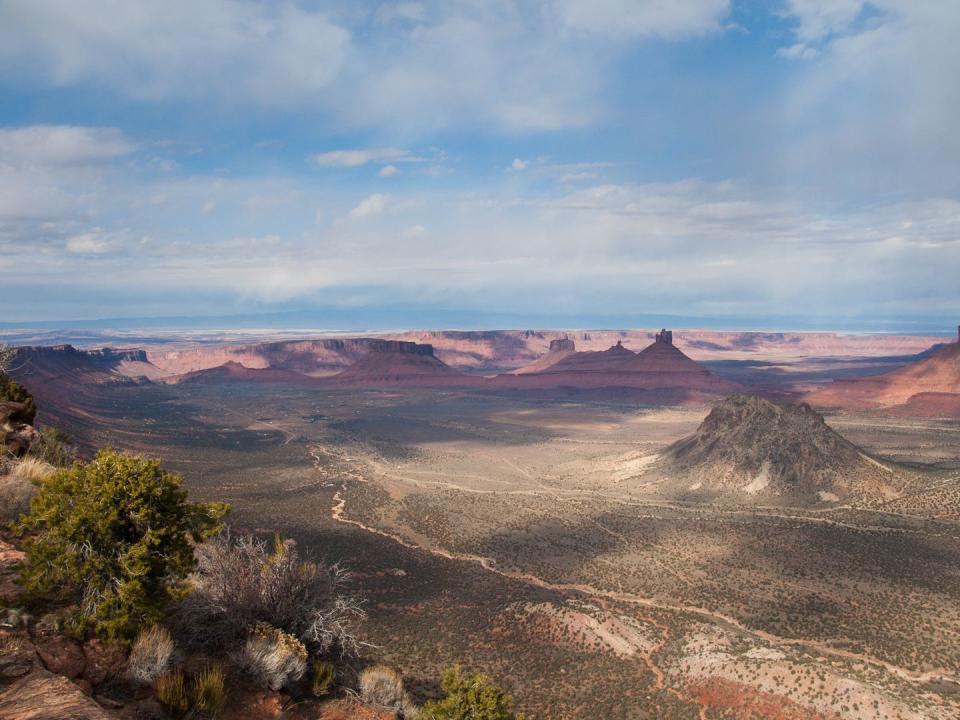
398 363
400 347
918 387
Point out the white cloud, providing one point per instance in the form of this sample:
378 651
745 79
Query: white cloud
876 112
371 205
644 18
402 11
819 18
519 164
268 53
413 232
798 51
356 158
388 171
61 145
95 242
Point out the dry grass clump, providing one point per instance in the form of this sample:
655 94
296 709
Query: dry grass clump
239 584
172 692
151 655
274 658
322 676
209 693
383 686
18 486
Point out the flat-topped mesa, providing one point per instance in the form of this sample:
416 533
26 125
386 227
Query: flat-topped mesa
562 345
401 346
665 336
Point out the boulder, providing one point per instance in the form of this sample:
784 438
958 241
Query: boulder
61 655
104 661
41 695
17 654
10 558
16 432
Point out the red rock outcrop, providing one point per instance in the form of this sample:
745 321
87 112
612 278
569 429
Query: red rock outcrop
16 432
920 387
659 366
397 363
41 695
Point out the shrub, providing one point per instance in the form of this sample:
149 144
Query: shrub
12 391
113 537
15 495
238 584
171 691
274 658
209 695
472 697
54 447
19 485
151 654
322 676
382 686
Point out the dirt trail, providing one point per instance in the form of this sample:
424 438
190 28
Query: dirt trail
725 621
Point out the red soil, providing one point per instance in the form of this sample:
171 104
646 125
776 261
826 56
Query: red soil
737 700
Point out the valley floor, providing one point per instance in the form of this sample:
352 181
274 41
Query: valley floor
514 536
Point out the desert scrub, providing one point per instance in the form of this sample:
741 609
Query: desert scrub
172 692
18 484
322 676
209 693
151 655
382 686
239 584
54 447
471 696
272 657
114 537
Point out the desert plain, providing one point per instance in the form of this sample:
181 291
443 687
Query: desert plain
520 533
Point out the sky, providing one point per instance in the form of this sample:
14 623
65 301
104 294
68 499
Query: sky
464 161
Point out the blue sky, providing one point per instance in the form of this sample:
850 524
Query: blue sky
575 159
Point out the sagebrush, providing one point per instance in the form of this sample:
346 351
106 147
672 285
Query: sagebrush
151 655
382 686
272 657
239 584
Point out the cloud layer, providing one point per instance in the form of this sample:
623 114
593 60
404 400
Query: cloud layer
701 157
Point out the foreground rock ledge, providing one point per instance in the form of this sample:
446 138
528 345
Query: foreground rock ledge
41 695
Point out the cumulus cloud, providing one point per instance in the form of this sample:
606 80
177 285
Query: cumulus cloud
61 145
519 164
371 205
388 171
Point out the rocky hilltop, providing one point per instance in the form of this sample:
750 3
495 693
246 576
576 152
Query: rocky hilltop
930 386
751 450
658 367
